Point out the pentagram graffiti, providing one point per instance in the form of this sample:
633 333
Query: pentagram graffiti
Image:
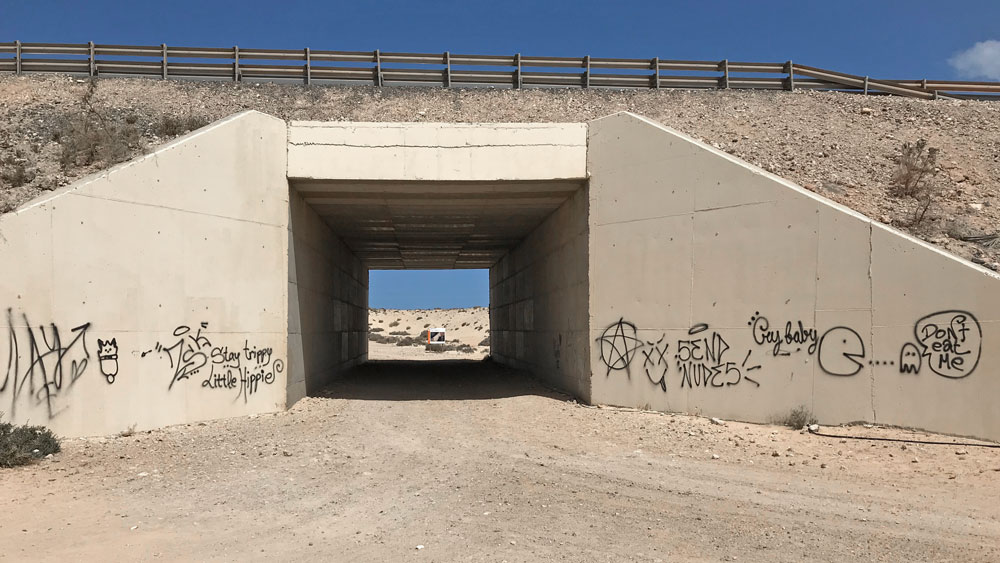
618 345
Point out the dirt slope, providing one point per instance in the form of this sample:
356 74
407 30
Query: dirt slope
471 462
842 146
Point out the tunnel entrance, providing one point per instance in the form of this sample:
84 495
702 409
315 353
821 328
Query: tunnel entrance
369 198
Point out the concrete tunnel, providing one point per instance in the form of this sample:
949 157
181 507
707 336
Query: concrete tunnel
226 274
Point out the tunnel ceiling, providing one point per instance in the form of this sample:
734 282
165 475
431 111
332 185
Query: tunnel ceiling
433 225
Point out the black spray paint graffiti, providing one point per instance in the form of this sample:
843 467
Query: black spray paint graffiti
107 355
242 369
783 343
841 351
700 361
948 342
951 342
655 363
618 345
46 366
909 359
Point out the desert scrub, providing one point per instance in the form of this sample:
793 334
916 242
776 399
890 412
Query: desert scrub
797 418
20 445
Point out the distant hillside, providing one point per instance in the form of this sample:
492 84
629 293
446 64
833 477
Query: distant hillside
55 129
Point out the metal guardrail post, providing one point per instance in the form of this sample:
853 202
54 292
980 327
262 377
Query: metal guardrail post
236 64
447 70
17 57
866 85
656 72
93 63
308 66
163 47
586 74
725 74
517 73
791 76
378 68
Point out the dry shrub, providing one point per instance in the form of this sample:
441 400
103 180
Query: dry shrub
91 137
914 177
170 126
20 445
797 418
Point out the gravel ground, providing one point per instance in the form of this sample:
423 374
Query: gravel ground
467 461
843 146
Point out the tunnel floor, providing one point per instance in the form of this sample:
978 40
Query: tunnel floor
428 380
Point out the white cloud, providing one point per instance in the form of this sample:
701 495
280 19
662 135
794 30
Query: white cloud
982 60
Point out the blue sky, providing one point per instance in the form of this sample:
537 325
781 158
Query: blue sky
958 39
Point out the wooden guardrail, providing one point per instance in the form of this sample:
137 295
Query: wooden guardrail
452 70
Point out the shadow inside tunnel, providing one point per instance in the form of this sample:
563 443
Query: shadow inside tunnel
445 380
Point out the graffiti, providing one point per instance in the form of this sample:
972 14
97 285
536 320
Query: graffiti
242 370
909 359
46 366
840 351
793 336
951 343
618 345
107 356
654 354
701 361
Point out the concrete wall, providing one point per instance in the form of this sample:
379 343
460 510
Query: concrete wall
436 151
539 293
327 303
154 293
723 290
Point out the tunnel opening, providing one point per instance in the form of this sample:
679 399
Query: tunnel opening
372 197
427 315
528 240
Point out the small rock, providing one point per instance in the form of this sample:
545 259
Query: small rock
715 456
717 421
286 453
420 547
144 474
775 454
814 427
915 460
867 111
822 466
962 452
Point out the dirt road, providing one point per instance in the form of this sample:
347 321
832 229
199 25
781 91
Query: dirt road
467 461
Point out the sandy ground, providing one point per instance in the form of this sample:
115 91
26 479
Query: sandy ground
467 461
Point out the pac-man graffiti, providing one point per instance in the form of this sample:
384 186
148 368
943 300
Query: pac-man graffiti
841 351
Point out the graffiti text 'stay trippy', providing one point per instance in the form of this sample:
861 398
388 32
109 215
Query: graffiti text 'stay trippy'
243 369
949 343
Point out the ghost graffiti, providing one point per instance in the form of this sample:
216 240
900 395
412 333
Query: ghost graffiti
909 358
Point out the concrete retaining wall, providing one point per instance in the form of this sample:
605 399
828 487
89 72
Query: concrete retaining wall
327 303
723 290
538 301
154 293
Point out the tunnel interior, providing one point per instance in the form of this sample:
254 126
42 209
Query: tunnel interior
530 235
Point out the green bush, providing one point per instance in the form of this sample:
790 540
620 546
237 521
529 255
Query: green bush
20 445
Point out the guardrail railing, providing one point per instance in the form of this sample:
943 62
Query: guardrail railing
453 70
